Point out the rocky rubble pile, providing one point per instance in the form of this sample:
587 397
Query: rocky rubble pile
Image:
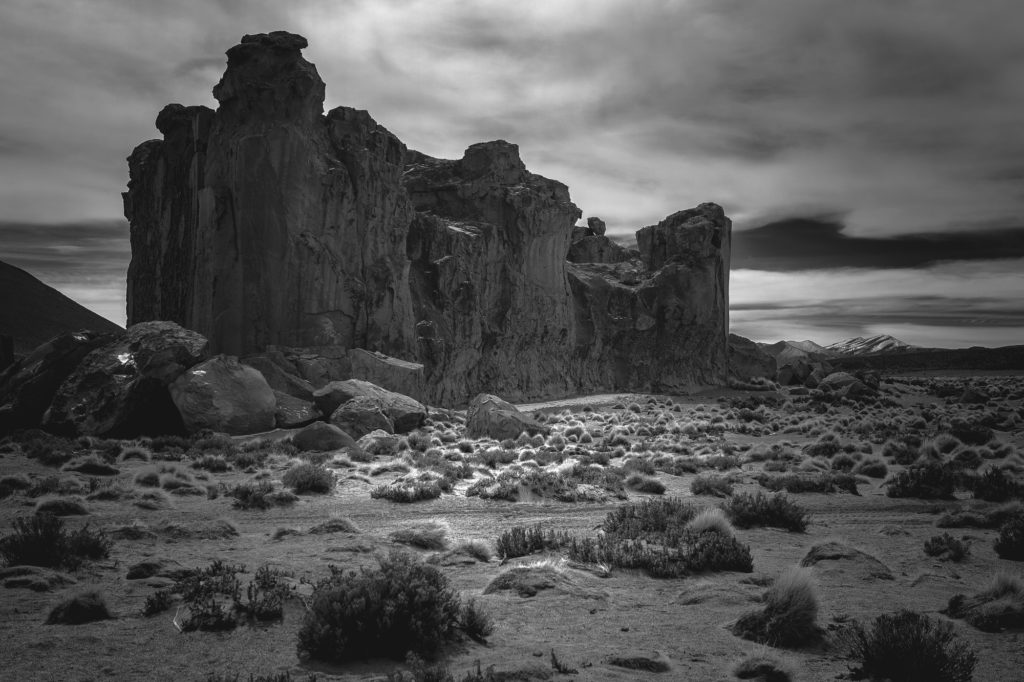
159 378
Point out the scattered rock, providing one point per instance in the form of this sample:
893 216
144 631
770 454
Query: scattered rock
224 395
322 437
379 443
90 466
490 416
405 413
157 568
852 560
362 415
291 412
394 374
531 580
278 377
596 226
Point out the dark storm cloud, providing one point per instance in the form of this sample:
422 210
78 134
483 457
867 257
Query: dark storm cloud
58 251
814 243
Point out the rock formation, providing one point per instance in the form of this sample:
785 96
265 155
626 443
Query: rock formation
321 244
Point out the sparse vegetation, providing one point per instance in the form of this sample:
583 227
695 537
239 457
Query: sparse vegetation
912 647
947 548
710 484
748 510
42 540
789 616
309 478
996 607
400 606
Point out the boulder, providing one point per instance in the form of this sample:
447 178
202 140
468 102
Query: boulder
380 443
794 373
292 412
120 390
279 378
489 416
596 226
747 360
224 395
405 413
322 437
362 415
27 387
817 375
837 380
400 376
6 351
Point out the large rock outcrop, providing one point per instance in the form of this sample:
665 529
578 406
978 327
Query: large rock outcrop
271 227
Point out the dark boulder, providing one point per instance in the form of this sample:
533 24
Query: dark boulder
491 417
28 386
224 395
120 389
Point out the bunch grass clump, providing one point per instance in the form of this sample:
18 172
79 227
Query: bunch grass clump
309 478
947 548
789 617
996 607
710 484
819 482
927 481
523 540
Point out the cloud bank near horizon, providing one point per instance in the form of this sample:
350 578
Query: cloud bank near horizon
897 121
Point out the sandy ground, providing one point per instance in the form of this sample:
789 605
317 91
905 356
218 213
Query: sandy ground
596 619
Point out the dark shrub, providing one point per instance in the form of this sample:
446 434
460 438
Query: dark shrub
41 540
910 647
930 481
645 484
401 606
61 506
946 547
826 446
903 450
996 485
85 607
971 433
211 595
749 510
872 468
979 518
520 540
213 463
822 482
311 478
1010 543
259 495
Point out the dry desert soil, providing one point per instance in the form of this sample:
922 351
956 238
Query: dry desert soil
169 506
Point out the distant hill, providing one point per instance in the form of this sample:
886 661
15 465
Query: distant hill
975 358
787 351
882 343
32 312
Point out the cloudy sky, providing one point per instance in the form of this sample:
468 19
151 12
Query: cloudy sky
870 153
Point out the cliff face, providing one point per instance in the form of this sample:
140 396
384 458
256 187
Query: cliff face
268 223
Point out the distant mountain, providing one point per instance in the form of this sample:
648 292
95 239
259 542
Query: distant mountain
882 343
32 312
787 351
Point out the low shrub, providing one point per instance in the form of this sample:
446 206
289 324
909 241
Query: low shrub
645 484
709 484
872 468
819 482
400 606
85 607
408 491
947 548
789 617
309 478
1010 543
981 518
998 606
929 481
911 647
213 463
259 495
42 540
749 510
522 540
996 485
